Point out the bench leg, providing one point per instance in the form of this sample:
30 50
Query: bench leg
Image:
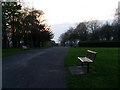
87 67
82 65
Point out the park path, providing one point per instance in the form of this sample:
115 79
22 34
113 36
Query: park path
37 69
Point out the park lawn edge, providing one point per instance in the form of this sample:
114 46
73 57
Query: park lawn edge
105 65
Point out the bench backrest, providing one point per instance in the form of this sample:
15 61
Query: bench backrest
91 54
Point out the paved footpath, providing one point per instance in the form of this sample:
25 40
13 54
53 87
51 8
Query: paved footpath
35 69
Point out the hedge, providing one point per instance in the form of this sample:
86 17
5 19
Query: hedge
100 44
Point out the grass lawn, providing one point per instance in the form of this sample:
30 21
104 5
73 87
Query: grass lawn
13 51
105 66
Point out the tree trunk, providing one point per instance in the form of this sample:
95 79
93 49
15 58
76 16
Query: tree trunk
13 34
5 41
42 43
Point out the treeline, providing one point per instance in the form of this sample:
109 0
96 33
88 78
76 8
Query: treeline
23 26
92 31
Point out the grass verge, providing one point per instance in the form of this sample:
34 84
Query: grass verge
105 66
13 51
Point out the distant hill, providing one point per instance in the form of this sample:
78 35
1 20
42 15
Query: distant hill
58 29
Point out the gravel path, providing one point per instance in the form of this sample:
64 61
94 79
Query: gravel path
35 69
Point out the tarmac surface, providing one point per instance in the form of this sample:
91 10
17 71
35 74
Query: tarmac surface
35 69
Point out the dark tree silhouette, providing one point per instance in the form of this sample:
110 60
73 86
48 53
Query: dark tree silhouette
23 27
10 13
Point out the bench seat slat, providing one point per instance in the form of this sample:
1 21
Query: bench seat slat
84 59
91 51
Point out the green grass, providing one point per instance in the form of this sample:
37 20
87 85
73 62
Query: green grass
105 66
14 51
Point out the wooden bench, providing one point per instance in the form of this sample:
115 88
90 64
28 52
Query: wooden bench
90 57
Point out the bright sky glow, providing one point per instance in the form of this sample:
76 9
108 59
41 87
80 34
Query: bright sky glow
58 12
62 11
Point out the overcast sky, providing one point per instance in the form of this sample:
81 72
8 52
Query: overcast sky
61 11
73 11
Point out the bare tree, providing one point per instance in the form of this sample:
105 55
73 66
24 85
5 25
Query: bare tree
93 29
